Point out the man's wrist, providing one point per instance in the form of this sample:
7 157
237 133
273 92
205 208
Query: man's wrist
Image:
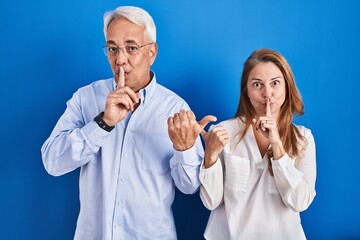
102 124
181 148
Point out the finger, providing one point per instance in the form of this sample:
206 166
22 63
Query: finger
268 109
208 118
222 133
121 78
203 122
124 100
176 120
183 115
190 114
135 97
127 103
225 139
176 116
170 122
256 123
262 126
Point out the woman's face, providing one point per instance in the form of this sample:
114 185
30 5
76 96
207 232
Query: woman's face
266 83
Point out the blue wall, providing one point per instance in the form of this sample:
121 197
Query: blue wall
50 48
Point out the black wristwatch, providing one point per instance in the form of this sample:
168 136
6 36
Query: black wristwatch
98 119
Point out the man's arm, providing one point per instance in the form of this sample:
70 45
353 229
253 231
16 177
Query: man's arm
184 133
73 142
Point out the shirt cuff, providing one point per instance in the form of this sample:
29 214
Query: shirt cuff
211 169
95 134
187 156
285 167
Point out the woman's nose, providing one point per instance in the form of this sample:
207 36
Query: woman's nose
267 92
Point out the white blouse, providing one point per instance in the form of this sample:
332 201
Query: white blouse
246 201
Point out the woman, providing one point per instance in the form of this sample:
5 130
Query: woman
259 168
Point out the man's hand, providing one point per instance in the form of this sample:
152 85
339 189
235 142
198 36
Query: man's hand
183 129
119 102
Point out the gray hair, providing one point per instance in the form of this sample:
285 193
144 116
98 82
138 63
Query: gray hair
133 14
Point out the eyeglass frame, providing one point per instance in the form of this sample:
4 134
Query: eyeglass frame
118 49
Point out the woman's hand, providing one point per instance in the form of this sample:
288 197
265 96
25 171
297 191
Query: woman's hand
215 141
268 127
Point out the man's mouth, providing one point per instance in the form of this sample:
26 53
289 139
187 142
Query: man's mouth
125 72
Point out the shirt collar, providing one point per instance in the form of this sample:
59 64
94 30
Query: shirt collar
147 92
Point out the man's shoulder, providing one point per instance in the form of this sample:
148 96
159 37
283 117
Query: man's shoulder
167 93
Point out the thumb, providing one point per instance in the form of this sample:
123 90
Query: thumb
205 121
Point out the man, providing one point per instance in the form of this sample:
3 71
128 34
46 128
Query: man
116 131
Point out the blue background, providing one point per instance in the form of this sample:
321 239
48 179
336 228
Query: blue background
51 48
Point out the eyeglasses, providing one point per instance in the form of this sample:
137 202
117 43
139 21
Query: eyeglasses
130 50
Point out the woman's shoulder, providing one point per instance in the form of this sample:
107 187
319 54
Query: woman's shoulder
306 132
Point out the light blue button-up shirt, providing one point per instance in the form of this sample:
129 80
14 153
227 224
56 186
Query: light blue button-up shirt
128 176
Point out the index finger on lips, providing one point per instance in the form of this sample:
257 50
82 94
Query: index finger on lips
268 109
121 78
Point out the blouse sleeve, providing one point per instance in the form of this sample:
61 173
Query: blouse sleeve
211 188
296 182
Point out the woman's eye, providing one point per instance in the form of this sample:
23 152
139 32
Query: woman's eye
276 82
256 84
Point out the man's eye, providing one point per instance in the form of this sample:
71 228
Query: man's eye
131 49
112 49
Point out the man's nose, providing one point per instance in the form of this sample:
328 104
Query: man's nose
121 57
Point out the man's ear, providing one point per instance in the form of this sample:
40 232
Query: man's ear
153 53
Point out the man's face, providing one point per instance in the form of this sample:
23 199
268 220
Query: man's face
123 33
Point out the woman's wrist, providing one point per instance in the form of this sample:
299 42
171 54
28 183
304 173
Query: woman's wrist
278 150
209 160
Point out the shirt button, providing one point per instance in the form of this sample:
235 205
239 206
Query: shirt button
125 155
122 179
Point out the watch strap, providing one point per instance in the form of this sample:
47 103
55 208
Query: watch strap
102 124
